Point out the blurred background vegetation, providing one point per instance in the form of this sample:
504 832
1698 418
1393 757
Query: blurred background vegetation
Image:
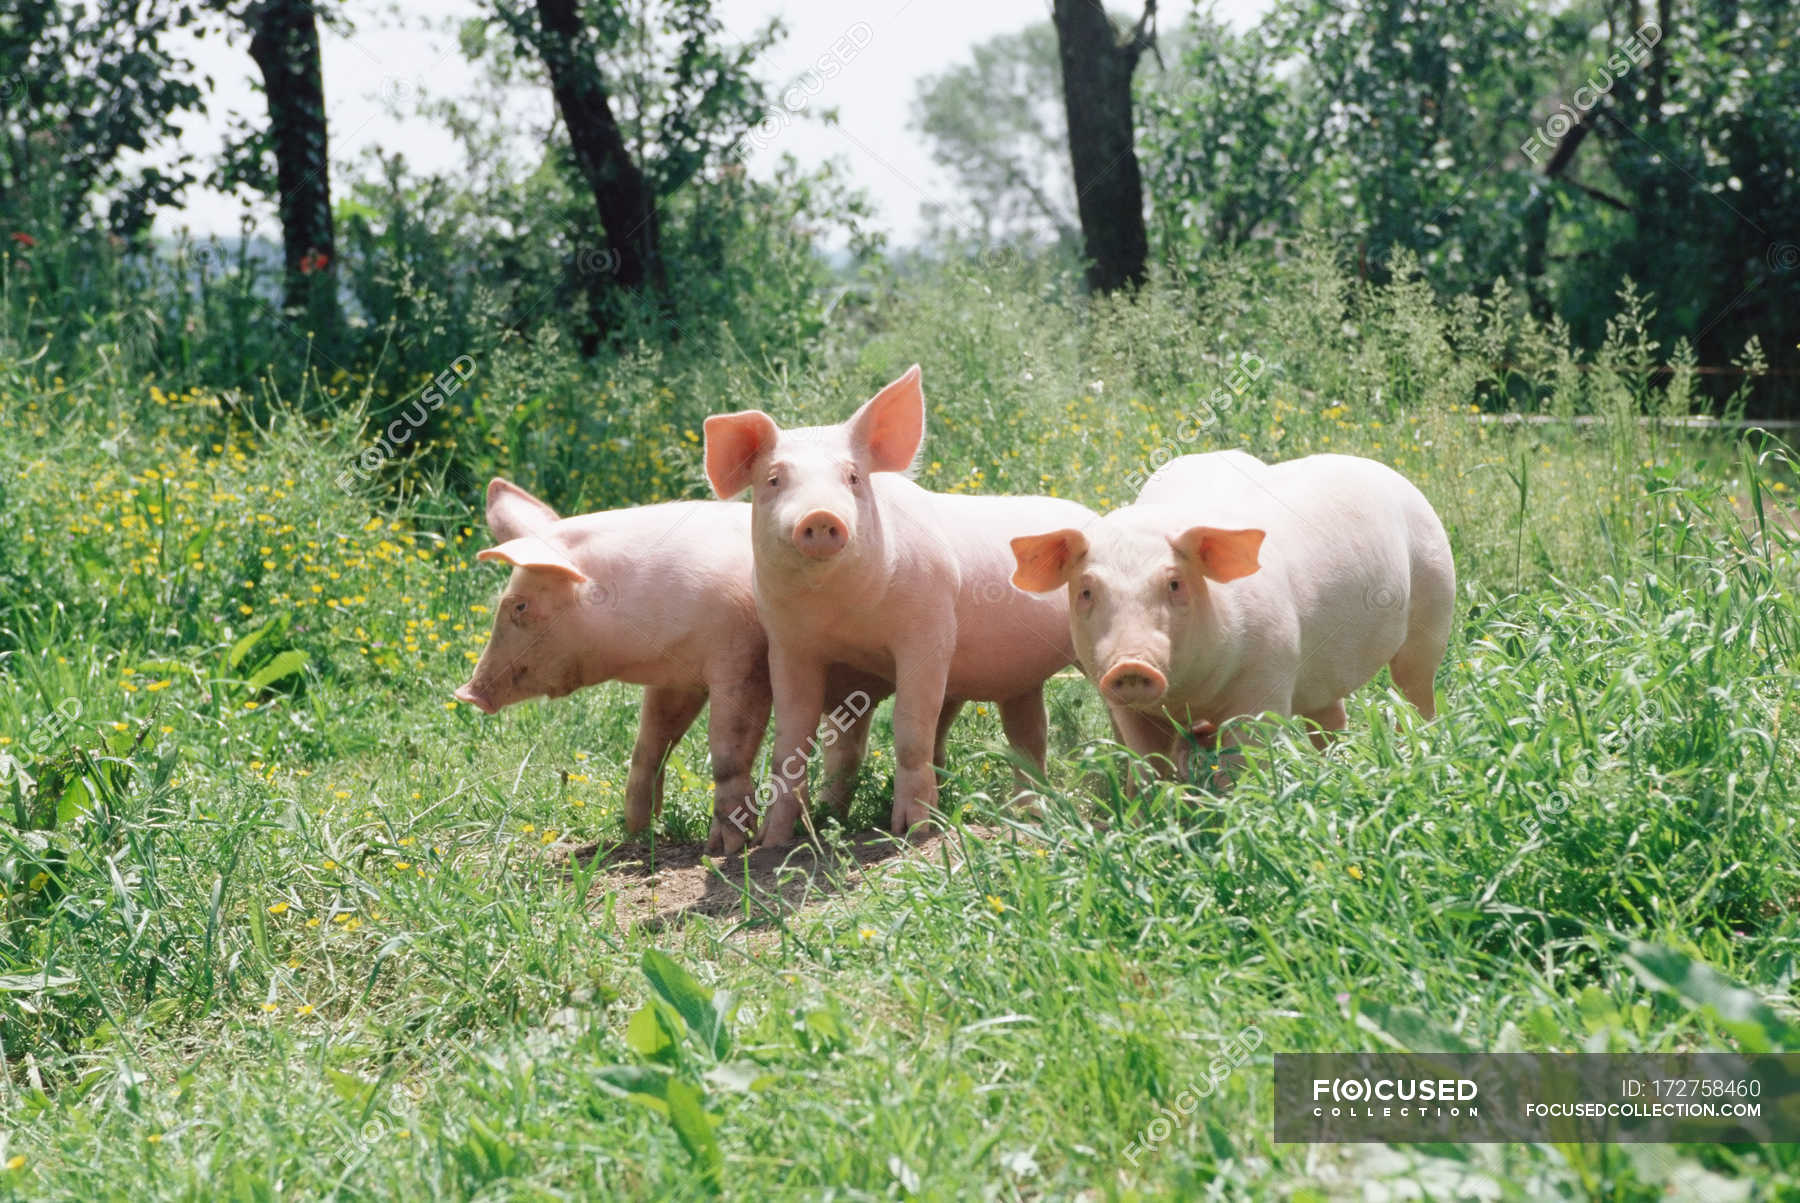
1529 159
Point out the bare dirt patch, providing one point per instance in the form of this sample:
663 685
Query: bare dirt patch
665 883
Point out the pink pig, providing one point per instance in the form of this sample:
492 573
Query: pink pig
1232 588
857 565
658 596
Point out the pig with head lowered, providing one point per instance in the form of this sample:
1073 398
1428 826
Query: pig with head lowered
658 596
855 564
1232 588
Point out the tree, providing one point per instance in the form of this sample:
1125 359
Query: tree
1231 138
82 88
622 198
649 92
998 125
1098 60
284 42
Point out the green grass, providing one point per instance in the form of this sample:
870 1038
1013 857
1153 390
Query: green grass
296 930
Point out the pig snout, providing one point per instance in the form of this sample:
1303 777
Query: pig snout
821 535
1133 683
468 693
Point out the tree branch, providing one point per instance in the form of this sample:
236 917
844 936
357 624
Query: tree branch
1565 154
1143 36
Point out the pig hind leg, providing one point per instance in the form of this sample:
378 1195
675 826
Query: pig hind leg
1027 729
734 733
1414 667
940 740
663 719
1331 719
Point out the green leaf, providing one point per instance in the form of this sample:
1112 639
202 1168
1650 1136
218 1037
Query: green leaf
350 1088
31 983
242 647
635 1079
1409 1030
654 1031
695 1003
694 1127
285 664
1738 1010
824 1030
640 1084
259 933
76 801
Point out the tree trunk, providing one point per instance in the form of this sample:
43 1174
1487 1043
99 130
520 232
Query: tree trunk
1097 64
622 197
284 41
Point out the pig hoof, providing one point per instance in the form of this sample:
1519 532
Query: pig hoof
723 840
908 815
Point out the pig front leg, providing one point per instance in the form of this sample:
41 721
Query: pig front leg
1332 721
663 718
852 697
740 713
1151 736
799 704
920 680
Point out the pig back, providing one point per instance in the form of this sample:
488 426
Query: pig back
1008 641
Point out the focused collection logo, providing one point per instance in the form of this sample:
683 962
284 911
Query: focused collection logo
1371 1097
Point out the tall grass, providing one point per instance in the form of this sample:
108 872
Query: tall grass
281 919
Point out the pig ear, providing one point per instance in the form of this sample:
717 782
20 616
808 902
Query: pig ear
889 427
734 442
1222 555
1047 561
512 512
529 551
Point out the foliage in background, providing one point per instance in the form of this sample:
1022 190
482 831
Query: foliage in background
82 87
1434 130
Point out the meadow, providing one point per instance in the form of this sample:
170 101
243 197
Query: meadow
283 920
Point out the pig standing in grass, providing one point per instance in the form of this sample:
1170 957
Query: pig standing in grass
1232 588
857 565
657 596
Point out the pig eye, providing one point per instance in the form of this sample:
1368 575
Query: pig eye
1086 595
855 478
774 481
519 609
1174 586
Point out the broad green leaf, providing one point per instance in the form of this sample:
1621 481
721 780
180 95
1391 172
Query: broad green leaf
349 1087
76 801
1409 1030
242 647
1738 1010
695 1003
653 1031
694 1127
284 665
640 1084
31 983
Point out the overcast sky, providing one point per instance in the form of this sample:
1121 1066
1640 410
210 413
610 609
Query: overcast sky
373 75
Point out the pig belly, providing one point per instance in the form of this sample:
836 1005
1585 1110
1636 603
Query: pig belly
1004 649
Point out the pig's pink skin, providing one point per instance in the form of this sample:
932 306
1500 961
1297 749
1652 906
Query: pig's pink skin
666 604
917 594
1353 572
